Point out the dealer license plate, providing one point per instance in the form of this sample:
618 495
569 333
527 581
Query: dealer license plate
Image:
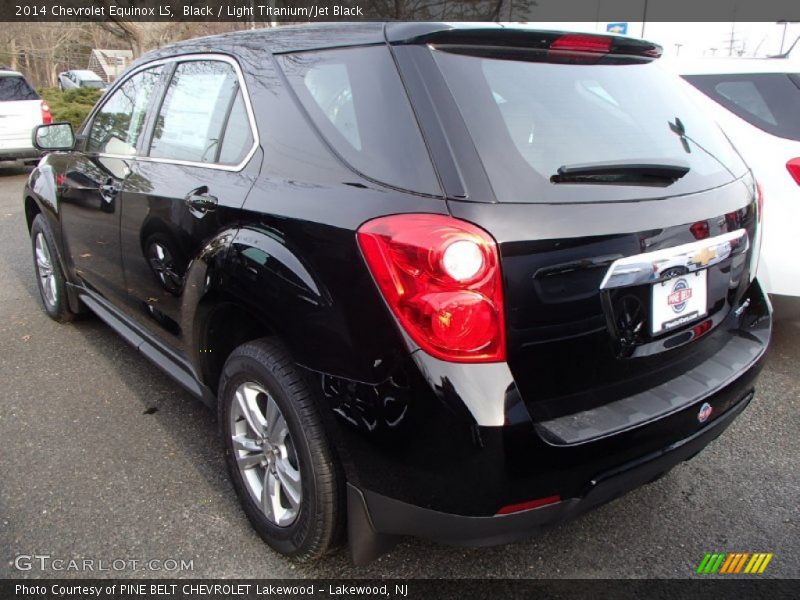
679 301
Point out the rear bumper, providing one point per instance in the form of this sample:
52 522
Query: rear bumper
393 517
434 472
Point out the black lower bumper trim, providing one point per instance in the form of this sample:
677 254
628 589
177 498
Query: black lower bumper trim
390 517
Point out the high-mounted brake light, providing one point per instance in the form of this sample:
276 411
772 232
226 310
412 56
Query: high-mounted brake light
575 42
441 278
47 118
793 166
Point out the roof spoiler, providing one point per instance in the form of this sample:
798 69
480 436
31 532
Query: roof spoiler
551 41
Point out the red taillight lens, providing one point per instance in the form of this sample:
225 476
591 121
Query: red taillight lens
702 329
700 230
441 279
538 503
47 118
759 201
793 167
573 42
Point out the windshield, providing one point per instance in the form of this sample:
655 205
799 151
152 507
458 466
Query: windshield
530 119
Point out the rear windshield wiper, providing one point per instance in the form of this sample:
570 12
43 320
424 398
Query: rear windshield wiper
659 174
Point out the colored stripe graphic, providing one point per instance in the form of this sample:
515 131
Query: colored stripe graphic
764 564
727 564
740 564
711 563
734 563
755 563
718 564
703 563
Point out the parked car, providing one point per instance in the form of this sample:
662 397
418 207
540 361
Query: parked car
21 109
454 282
77 78
757 103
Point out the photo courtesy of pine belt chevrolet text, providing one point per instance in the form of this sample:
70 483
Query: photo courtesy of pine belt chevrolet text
456 282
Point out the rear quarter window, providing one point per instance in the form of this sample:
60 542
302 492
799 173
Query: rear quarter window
357 102
769 101
14 88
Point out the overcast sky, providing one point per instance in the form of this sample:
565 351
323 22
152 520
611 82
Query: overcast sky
698 39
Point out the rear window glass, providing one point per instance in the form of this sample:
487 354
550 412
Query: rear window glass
770 101
16 88
529 118
357 102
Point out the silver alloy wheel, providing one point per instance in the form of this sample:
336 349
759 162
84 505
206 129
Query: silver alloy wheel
265 453
44 268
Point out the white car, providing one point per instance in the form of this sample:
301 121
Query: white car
80 78
757 104
21 109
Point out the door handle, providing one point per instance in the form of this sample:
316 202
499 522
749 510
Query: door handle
200 201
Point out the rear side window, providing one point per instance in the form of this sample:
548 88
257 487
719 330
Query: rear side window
357 102
203 117
16 88
770 101
238 138
119 122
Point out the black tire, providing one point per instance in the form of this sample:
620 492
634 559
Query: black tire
55 302
319 523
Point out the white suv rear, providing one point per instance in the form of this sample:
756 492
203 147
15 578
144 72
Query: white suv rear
757 104
21 109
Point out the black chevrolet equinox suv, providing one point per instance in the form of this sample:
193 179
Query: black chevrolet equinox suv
455 282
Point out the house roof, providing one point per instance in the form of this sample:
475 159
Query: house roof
104 58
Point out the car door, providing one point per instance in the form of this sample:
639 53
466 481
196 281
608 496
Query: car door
186 191
89 200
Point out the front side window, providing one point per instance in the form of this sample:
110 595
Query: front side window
119 122
203 117
357 102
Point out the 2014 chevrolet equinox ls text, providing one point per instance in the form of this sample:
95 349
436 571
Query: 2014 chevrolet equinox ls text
455 282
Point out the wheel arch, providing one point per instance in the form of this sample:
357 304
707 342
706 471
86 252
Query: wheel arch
31 210
222 324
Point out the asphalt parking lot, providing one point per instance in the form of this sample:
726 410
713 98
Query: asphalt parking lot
103 457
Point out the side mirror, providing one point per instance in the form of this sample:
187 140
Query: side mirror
54 136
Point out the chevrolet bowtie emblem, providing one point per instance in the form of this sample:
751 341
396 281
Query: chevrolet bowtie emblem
704 256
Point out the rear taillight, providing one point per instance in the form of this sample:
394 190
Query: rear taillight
441 278
760 201
759 236
793 166
47 118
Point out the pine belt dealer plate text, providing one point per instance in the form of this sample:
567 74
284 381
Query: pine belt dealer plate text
678 301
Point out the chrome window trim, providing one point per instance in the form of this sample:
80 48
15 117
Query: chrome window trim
188 163
694 256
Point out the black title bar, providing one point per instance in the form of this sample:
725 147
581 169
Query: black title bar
282 11
427 589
